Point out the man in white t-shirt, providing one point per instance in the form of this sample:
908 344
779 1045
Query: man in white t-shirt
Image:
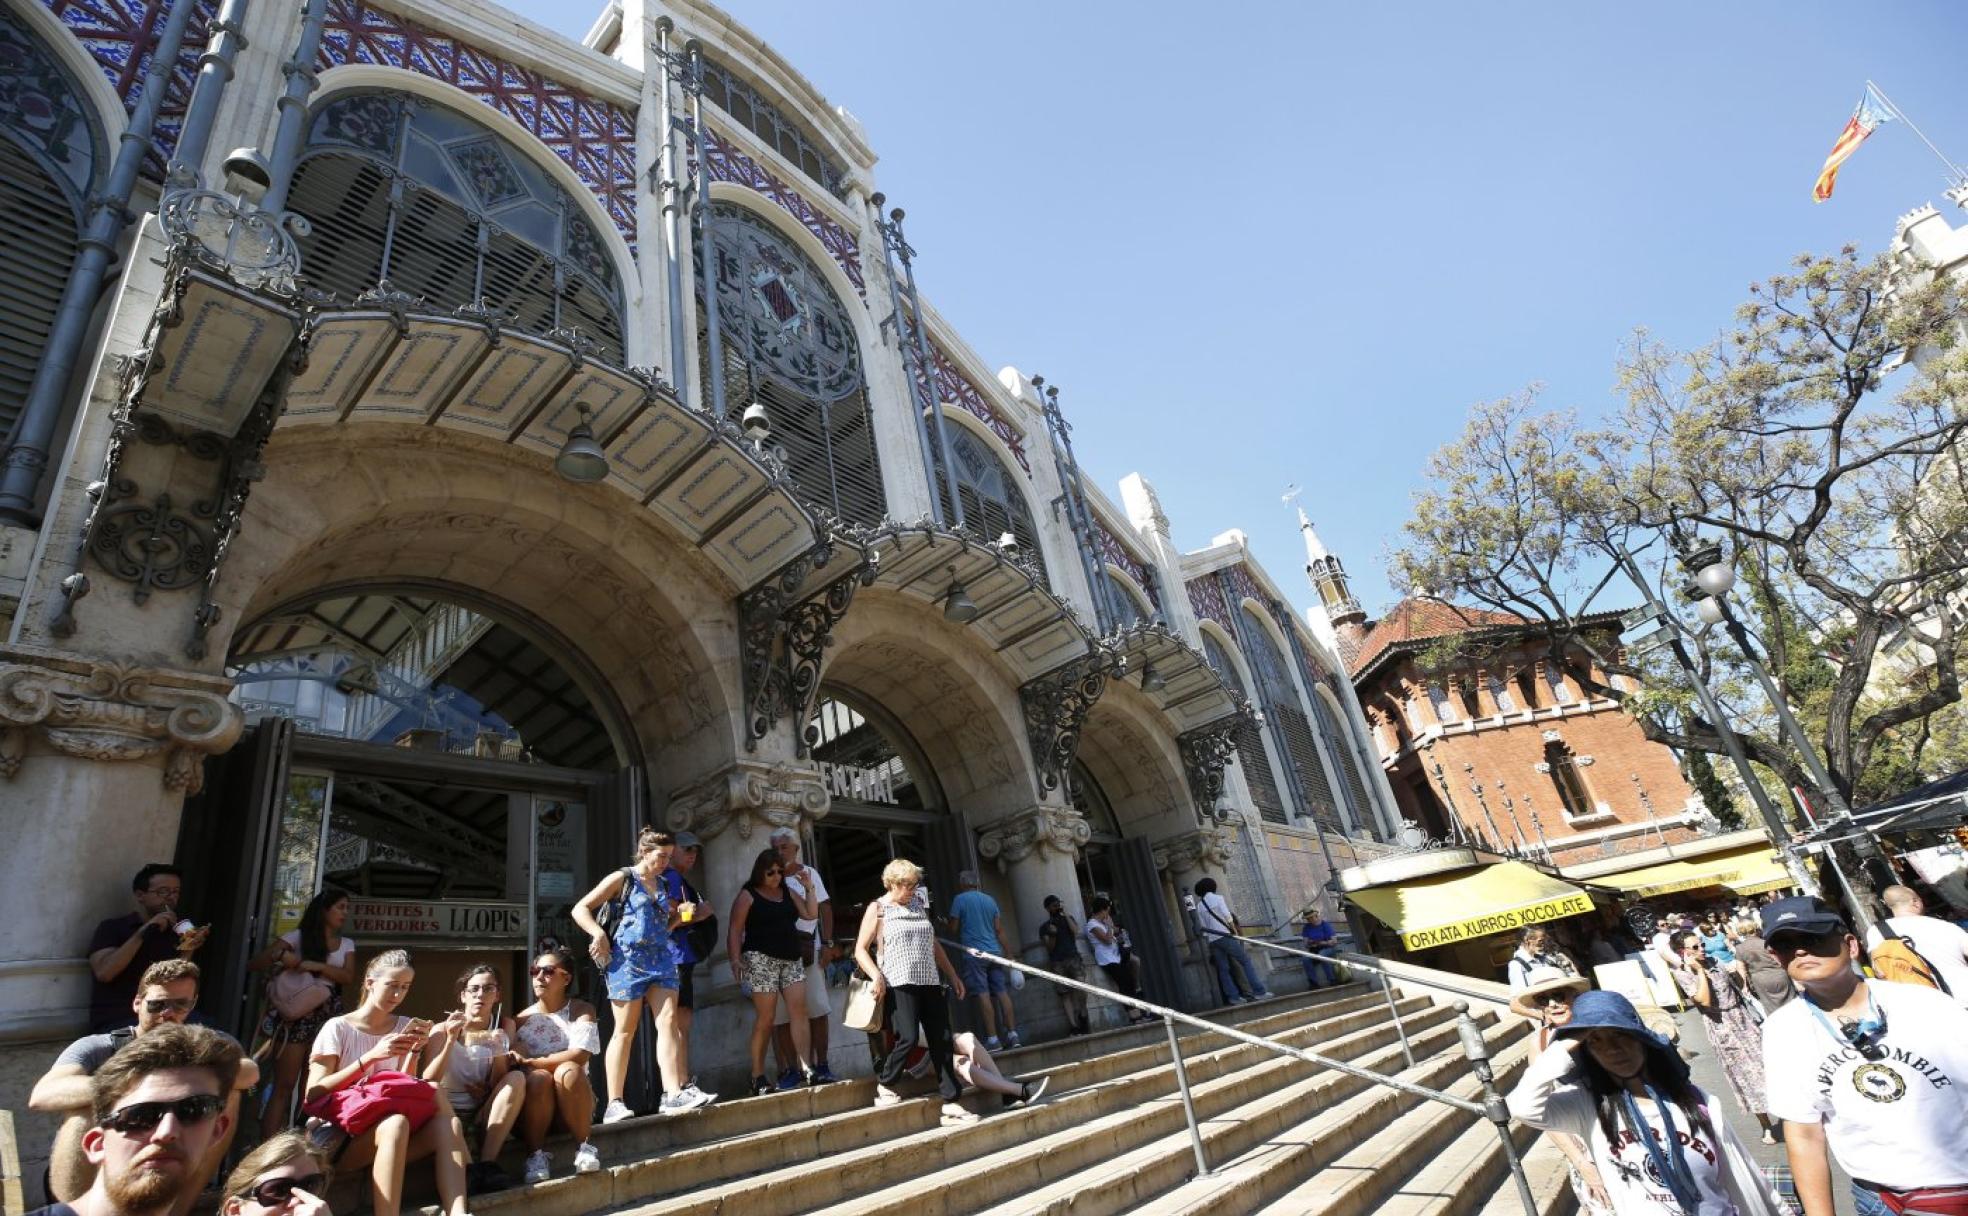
1943 945
1875 1072
1226 946
799 876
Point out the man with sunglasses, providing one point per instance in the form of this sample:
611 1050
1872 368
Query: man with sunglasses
158 1117
1874 1072
165 996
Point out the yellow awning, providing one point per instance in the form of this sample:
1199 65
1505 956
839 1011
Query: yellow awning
1744 871
1457 907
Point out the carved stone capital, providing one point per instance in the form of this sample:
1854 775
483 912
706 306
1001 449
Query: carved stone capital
1016 837
99 710
748 794
1202 849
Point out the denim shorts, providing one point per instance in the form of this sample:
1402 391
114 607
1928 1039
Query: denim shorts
980 977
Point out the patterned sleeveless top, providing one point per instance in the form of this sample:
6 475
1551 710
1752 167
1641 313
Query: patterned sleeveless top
908 942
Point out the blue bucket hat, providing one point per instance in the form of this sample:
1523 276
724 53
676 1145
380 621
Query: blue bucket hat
1611 1011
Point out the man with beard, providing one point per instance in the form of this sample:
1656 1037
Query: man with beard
158 1107
166 995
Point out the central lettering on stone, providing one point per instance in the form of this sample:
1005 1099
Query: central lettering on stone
860 784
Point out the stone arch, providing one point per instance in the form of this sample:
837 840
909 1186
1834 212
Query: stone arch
1129 750
601 244
958 704
381 502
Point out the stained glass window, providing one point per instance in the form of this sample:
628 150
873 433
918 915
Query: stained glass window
993 499
789 344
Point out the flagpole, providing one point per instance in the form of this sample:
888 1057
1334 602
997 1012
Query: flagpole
1955 171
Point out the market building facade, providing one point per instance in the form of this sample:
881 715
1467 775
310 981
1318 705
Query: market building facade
520 441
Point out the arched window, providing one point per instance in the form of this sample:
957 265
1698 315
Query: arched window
1251 752
1563 767
1127 609
406 191
1279 697
1339 744
51 146
993 503
789 344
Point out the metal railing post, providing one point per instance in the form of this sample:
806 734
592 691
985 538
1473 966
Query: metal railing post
1188 1103
1477 1049
1400 1027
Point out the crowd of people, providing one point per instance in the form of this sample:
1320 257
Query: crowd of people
1828 1056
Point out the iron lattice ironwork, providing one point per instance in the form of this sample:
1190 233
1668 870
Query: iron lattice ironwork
1119 556
954 387
120 35
593 137
773 126
782 642
1206 751
1056 706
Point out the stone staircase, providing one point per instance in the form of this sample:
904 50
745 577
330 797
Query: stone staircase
1280 1135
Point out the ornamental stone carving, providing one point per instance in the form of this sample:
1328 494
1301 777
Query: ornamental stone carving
749 794
1014 838
1203 849
113 712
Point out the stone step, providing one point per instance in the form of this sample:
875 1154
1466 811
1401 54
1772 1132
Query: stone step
1551 1186
1362 1179
1255 1159
1465 1176
1126 1181
1127 1104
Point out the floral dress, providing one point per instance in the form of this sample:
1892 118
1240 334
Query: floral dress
1734 1034
643 954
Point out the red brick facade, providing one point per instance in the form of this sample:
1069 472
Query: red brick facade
1502 747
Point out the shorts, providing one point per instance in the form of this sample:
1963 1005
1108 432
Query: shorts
765 974
980 977
818 1003
686 986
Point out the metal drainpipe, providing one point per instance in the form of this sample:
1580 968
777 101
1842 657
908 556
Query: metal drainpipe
929 371
1080 518
670 190
921 379
291 134
27 447
214 72
714 331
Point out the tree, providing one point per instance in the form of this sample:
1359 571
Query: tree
1816 441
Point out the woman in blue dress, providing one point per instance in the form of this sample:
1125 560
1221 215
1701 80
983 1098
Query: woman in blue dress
638 959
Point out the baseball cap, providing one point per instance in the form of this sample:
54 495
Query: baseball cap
1800 914
688 840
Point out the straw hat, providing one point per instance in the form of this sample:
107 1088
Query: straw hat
1543 980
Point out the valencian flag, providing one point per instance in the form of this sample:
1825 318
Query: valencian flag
1872 111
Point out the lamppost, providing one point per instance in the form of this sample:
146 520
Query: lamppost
1714 578
1773 823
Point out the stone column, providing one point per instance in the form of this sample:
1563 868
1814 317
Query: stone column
1203 853
735 812
1035 848
95 760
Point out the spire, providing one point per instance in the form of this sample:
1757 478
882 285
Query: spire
1329 580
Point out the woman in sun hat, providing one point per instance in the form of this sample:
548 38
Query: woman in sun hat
1547 1000
1622 1089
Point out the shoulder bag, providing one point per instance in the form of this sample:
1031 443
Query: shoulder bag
611 913
357 1108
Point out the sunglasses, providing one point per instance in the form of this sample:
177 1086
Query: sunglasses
174 1004
141 1117
273 1192
1549 998
1824 945
544 973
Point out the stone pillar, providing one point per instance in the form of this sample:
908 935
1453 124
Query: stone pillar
735 812
1035 848
95 760
1191 856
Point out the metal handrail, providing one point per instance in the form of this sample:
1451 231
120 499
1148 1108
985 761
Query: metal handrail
1353 958
1474 1047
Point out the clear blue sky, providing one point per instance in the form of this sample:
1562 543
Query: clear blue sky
1296 245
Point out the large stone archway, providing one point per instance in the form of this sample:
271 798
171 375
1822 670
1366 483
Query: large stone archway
379 502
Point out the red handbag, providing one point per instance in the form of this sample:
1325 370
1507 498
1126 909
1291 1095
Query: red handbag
357 1108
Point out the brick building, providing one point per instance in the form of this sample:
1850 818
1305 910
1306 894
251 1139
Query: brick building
1486 741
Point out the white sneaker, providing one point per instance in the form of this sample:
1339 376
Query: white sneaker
539 1166
586 1159
617 1111
687 1098
884 1096
955 1114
